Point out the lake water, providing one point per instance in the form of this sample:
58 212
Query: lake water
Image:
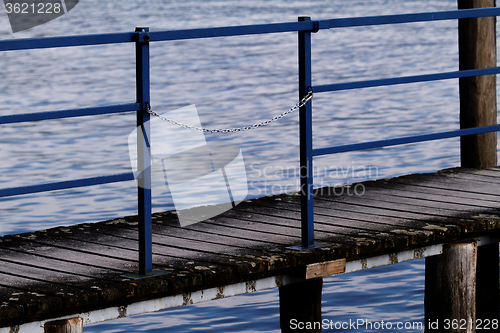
233 82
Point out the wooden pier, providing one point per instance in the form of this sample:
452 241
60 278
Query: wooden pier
59 280
87 270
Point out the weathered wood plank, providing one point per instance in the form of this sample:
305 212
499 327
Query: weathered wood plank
419 187
397 207
211 227
290 224
18 303
419 231
72 325
179 279
323 222
52 270
459 185
473 175
325 269
28 247
426 195
433 202
374 211
53 298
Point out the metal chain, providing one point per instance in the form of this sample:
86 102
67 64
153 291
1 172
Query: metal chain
300 104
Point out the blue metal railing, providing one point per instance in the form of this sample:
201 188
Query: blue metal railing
142 37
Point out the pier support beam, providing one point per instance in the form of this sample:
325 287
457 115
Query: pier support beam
72 325
478 103
487 284
450 289
300 306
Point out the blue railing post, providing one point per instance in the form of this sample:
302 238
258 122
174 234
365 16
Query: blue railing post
306 147
143 152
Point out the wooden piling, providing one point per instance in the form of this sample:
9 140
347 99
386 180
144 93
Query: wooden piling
478 105
487 284
300 306
72 325
450 289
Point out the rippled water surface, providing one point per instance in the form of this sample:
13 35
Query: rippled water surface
233 82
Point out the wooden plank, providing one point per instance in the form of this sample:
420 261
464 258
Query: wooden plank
472 176
490 172
169 256
420 187
71 325
211 227
382 194
285 222
419 232
217 253
190 235
323 221
345 214
178 279
28 247
459 185
357 232
85 286
349 209
398 207
325 269
361 241
61 265
19 303
51 297
400 232
112 284
427 195
394 216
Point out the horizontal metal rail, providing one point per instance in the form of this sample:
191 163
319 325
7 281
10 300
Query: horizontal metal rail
67 41
20 118
67 184
408 18
404 140
232 31
99 39
404 80
129 37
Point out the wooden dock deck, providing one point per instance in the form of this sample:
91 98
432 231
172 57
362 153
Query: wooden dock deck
87 269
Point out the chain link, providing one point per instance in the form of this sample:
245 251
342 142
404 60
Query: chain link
300 104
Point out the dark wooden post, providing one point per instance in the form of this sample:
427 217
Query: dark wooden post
478 103
72 325
300 306
487 285
450 289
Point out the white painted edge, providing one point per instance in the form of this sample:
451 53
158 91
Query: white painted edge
163 303
389 259
231 290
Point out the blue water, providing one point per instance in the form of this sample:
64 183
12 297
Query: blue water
234 82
